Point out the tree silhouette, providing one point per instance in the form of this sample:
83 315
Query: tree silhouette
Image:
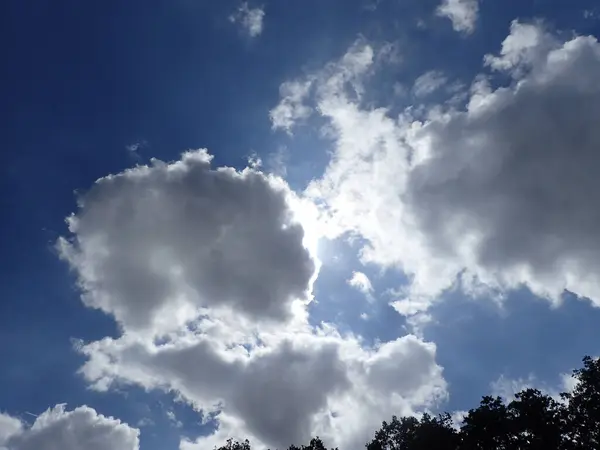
410 433
531 421
583 407
236 445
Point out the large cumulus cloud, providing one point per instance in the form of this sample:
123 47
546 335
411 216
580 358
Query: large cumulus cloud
155 243
495 195
58 428
209 273
517 173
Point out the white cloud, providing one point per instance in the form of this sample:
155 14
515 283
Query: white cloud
173 419
347 72
293 386
209 274
57 428
428 83
291 109
361 282
251 19
491 193
526 45
9 427
458 418
507 388
490 197
462 13
156 244
568 382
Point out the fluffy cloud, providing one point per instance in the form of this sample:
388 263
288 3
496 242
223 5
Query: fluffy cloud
337 75
291 387
209 273
9 427
526 45
361 281
507 187
251 19
68 430
496 195
292 108
154 245
462 13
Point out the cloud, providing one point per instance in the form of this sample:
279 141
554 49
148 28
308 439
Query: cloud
291 387
428 83
503 183
458 418
68 430
489 197
156 244
209 273
462 13
507 388
526 45
361 282
291 109
251 19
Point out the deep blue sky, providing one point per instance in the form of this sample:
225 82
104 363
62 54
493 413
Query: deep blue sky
81 81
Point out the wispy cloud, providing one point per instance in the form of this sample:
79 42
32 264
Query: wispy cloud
462 13
251 19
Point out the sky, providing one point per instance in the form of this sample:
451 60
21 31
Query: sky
281 219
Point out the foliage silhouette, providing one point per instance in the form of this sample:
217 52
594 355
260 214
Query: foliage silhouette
531 421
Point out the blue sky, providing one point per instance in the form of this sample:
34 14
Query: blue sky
408 220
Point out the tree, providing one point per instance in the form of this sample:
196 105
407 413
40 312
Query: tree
536 421
315 444
235 445
408 433
487 427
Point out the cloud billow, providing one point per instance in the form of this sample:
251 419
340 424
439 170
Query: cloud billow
154 244
209 273
493 196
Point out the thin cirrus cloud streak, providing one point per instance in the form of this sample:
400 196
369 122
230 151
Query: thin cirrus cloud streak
194 237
